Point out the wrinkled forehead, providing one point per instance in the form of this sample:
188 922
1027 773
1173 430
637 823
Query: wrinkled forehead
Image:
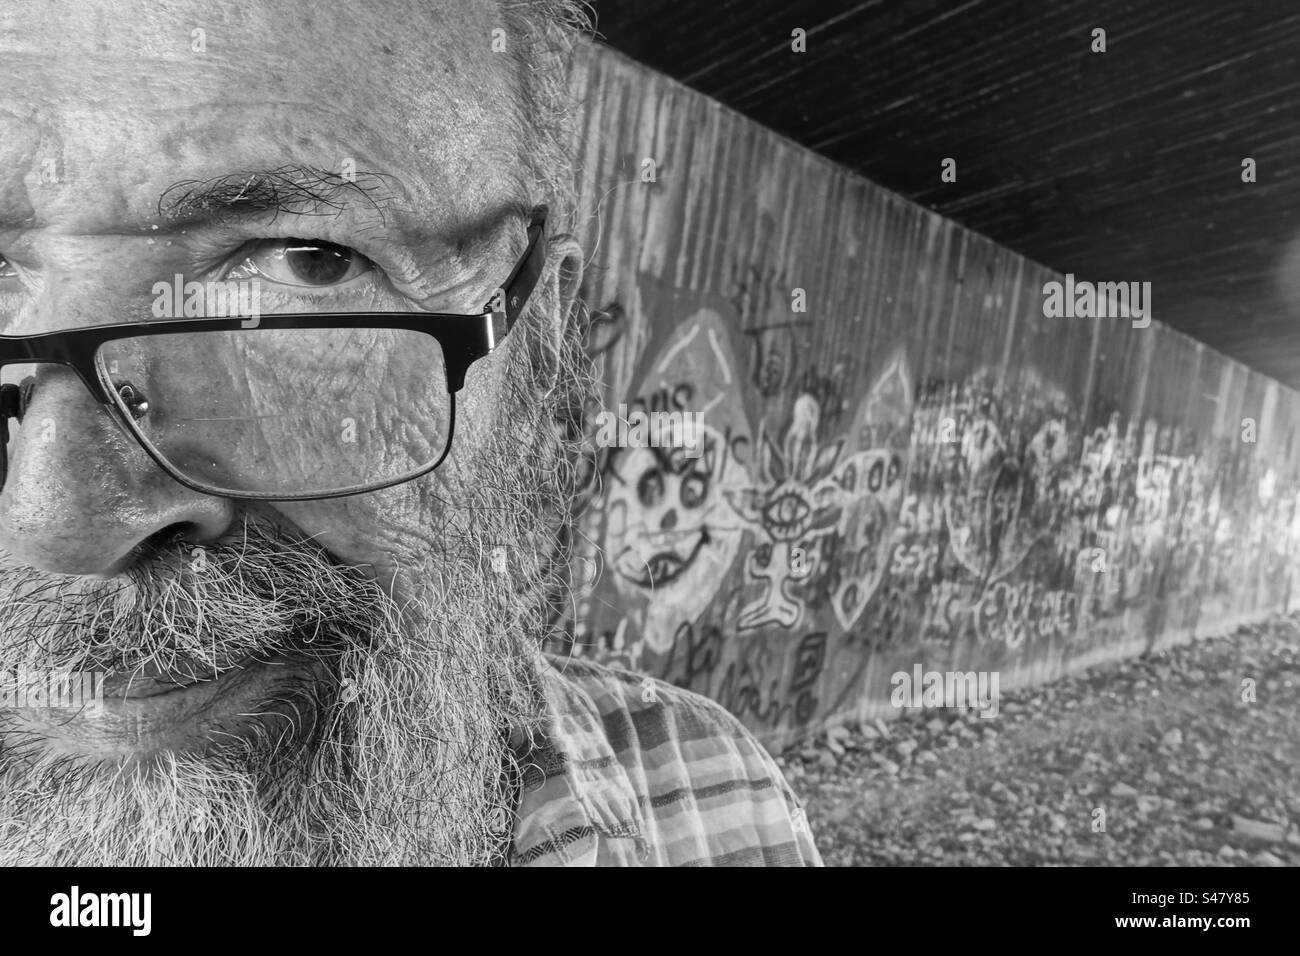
119 99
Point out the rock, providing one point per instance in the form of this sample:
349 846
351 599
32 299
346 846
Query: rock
834 747
1152 777
840 814
869 732
810 753
1173 739
985 825
1148 804
1264 858
926 756
1226 852
966 837
1122 789
906 747
827 760
1258 829
889 767
881 726
1058 822
838 733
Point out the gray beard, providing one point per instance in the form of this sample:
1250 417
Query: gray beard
413 765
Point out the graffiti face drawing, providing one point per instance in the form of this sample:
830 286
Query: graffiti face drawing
671 536
1002 496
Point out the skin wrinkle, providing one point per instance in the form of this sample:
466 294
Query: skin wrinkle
434 648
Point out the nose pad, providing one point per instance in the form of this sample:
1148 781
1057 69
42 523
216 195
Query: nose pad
10 407
134 399
14 400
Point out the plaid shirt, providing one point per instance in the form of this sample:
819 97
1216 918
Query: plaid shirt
636 772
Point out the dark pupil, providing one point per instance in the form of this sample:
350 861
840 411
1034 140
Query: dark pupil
319 262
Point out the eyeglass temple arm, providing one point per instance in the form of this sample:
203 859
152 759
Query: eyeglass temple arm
523 278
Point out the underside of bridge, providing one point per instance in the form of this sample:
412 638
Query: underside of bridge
1123 165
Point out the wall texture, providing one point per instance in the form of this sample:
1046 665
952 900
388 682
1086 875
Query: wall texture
920 468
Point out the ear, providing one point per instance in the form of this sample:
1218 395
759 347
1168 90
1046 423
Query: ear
569 258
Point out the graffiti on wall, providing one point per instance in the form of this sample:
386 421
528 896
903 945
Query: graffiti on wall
821 512
844 514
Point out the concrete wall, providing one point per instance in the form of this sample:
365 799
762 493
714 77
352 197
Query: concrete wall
919 468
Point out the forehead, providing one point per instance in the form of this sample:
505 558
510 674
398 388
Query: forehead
122 98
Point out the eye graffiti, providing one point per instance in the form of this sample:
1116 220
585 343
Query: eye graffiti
824 517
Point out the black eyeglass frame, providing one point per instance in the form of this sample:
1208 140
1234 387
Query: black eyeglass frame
464 339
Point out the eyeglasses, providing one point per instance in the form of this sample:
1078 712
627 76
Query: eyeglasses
288 407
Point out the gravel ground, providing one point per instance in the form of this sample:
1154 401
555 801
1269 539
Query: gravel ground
1187 774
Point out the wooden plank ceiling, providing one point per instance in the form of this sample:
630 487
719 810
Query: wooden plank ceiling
1122 166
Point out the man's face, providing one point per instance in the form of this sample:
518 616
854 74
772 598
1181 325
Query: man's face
364 650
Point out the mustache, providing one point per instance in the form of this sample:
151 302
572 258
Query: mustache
192 611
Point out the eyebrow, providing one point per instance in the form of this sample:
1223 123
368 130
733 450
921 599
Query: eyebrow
292 189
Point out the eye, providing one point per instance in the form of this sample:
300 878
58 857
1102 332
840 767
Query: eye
7 271
650 488
786 513
695 488
310 263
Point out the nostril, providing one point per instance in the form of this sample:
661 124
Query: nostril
669 521
166 539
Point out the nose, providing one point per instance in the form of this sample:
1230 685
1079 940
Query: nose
81 496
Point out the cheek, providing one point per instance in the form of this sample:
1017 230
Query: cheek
399 530
480 402
391 533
